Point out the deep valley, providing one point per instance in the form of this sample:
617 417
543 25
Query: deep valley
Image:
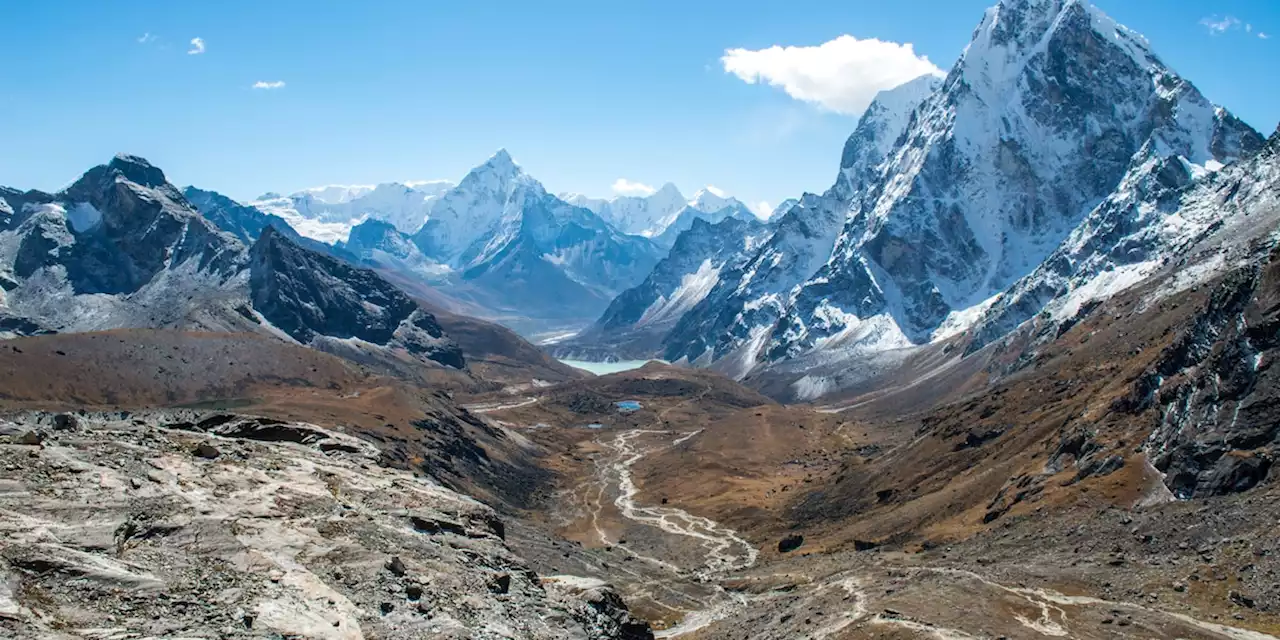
1012 375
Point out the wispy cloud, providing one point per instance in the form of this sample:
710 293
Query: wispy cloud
624 187
841 75
1218 26
275 84
147 38
197 47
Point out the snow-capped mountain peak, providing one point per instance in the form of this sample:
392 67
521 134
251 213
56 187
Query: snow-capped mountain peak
1038 122
499 164
335 193
709 199
667 191
954 191
637 215
487 203
782 208
653 214
328 213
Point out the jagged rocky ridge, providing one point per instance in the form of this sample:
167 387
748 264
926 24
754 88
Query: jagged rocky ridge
1213 388
1050 110
636 321
1048 168
728 324
686 217
123 248
312 296
247 222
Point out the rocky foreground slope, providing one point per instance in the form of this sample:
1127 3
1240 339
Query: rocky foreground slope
197 525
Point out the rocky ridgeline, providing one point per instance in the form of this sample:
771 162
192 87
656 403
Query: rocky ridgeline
122 247
200 525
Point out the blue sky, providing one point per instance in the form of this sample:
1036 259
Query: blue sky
580 93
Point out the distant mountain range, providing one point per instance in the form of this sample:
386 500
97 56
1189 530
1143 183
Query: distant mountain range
328 213
495 244
1058 162
665 213
123 248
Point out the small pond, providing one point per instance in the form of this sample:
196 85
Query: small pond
605 368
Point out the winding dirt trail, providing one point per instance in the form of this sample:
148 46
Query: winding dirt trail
724 550
490 407
697 550
1053 619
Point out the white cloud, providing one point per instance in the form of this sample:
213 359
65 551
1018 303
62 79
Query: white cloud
275 84
147 38
1263 36
624 187
842 75
762 209
1218 26
197 47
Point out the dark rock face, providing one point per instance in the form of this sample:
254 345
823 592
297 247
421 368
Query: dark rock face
110 252
143 227
1215 392
307 295
14 205
206 451
114 234
614 616
122 247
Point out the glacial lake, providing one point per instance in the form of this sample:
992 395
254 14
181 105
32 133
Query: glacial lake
603 368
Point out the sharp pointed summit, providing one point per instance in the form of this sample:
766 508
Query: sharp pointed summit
953 190
502 162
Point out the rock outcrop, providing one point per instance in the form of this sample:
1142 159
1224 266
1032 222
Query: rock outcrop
124 524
